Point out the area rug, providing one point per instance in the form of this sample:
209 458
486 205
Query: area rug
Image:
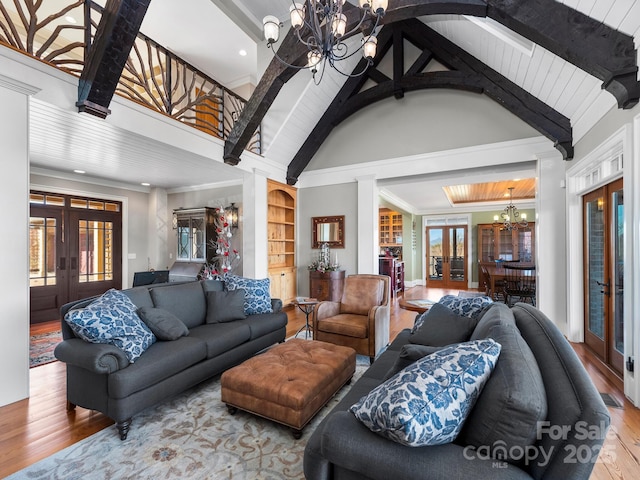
191 436
41 348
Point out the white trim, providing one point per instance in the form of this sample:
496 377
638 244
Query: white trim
196 188
575 250
508 36
477 156
76 177
632 261
104 196
622 141
17 85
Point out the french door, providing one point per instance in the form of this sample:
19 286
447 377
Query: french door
446 256
603 212
75 251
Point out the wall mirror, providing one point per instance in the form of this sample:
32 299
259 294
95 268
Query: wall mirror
329 230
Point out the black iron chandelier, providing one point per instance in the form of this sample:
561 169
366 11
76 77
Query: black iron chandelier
321 26
511 218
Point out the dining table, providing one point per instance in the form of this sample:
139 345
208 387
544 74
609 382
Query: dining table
498 273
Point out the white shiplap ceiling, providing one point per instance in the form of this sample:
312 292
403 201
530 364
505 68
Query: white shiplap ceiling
201 31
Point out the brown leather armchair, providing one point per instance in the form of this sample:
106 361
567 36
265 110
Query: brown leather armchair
361 319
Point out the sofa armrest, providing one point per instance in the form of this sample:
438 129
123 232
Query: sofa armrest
95 357
350 445
276 305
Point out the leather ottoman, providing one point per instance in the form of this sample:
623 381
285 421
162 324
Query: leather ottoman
290 382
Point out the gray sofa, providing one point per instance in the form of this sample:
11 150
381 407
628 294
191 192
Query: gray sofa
559 420
100 377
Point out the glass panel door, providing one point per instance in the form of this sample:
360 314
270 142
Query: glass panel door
446 256
595 259
603 212
457 255
434 255
95 252
47 264
617 278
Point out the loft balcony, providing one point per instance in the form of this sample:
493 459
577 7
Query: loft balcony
153 76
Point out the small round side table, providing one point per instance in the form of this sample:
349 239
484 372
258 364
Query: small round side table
306 306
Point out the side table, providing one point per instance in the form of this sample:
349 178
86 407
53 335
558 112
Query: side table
306 306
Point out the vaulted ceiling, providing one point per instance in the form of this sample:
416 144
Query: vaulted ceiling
593 47
558 65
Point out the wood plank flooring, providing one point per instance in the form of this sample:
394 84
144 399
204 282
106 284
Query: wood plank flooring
39 426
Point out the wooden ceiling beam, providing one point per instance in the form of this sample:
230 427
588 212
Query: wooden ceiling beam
294 53
108 54
466 73
590 45
586 43
514 98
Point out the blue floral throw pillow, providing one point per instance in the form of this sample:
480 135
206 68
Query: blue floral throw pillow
112 319
257 295
427 402
466 306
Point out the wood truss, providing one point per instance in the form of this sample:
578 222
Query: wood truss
465 73
119 25
590 45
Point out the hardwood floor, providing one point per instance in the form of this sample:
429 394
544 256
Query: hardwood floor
39 426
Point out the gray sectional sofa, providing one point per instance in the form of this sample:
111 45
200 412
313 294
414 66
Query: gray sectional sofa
101 377
538 416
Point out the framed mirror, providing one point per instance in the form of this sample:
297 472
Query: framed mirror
329 230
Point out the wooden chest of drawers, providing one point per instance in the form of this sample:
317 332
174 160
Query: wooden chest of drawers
326 285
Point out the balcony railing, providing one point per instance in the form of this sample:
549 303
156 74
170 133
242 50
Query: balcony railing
152 76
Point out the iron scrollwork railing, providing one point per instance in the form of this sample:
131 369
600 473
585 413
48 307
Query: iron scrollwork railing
153 76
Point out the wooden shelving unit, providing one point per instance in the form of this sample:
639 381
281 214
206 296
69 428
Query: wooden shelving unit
496 243
281 236
390 227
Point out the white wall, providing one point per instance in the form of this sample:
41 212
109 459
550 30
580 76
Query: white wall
326 201
423 121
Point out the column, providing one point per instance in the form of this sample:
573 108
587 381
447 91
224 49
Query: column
551 247
14 239
254 224
368 224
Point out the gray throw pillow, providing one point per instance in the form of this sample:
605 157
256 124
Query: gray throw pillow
164 324
507 413
409 354
441 326
225 306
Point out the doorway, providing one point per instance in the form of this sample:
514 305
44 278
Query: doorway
603 211
75 251
446 256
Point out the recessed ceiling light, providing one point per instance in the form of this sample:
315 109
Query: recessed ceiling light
243 53
145 184
79 171
70 19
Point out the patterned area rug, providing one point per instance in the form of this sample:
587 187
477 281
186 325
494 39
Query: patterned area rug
191 436
41 348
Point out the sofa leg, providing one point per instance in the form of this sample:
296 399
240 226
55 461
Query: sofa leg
123 428
371 359
297 434
70 406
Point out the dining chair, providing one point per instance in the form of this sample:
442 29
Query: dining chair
519 282
497 292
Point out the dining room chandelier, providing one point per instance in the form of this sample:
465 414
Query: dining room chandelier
510 218
321 26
